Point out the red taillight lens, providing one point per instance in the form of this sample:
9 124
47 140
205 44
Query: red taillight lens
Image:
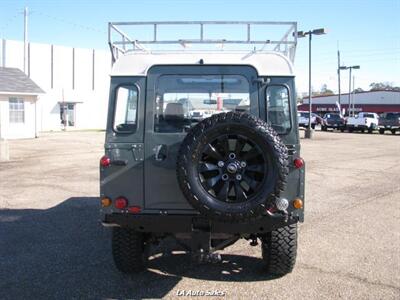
105 161
298 162
135 209
120 203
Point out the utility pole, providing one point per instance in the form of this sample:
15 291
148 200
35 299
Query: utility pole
26 40
350 93
338 74
349 68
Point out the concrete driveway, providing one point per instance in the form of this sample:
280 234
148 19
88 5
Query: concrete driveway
52 246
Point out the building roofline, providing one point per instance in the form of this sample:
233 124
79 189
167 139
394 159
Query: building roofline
21 93
342 94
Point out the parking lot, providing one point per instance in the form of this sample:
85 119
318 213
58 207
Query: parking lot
52 245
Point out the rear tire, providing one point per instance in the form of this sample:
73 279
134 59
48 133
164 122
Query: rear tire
323 128
382 131
370 130
351 130
341 129
128 250
279 250
393 131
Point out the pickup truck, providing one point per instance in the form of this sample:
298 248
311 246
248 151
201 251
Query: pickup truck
334 121
389 121
363 121
302 117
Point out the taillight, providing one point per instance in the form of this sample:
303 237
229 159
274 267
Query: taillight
135 209
105 161
120 202
105 202
298 162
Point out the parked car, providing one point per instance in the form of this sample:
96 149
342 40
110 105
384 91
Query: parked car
302 117
334 121
389 121
363 121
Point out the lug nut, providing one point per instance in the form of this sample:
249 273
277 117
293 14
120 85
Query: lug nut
243 164
220 164
232 155
238 177
225 177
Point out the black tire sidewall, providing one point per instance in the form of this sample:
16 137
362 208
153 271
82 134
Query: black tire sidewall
232 123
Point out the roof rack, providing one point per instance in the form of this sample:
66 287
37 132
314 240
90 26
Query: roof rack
121 43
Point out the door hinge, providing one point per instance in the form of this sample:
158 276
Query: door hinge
138 153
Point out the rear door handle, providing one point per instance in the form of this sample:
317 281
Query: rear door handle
160 152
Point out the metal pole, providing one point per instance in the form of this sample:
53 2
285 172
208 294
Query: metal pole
25 38
338 72
308 133
349 91
353 95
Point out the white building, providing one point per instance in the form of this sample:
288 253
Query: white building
75 82
18 104
369 101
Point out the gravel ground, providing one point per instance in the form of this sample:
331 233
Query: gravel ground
52 245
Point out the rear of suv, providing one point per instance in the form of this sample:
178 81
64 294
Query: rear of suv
202 148
333 121
389 121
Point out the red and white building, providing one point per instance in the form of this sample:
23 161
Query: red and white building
371 101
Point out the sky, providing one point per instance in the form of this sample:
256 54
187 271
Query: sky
367 32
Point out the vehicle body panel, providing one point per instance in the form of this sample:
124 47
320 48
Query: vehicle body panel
390 121
363 120
151 183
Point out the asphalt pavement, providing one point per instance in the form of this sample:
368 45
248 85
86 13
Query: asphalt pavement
52 245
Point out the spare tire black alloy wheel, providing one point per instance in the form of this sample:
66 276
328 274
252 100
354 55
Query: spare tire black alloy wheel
232 166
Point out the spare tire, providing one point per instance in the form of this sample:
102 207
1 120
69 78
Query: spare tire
232 166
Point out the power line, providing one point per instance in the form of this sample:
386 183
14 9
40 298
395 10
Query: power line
62 20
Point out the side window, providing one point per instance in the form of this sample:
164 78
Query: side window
278 110
126 102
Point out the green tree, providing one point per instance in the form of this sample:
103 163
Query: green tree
383 86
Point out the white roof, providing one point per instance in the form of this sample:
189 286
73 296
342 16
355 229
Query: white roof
266 63
367 97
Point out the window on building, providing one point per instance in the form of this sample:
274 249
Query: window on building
17 110
67 113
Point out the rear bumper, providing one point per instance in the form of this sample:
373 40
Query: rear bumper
334 125
388 127
186 223
356 127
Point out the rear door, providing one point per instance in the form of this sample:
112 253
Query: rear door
177 98
124 141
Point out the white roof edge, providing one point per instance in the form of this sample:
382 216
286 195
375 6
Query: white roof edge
267 63
22 94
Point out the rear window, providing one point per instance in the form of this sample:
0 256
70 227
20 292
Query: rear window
368 116
391 116
333 117
184 100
